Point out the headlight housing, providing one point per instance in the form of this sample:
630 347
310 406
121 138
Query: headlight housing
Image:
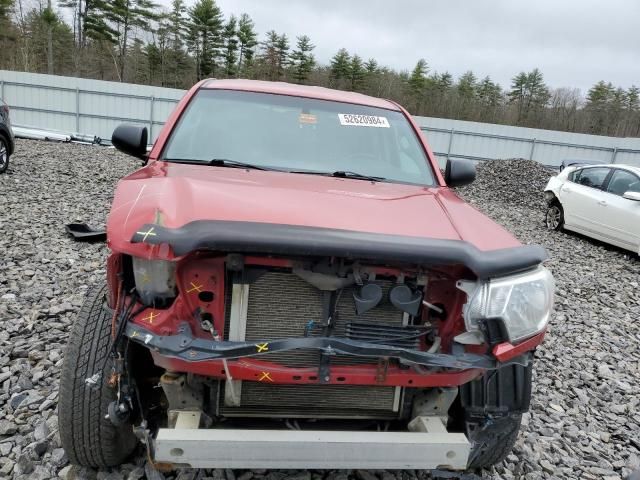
155 281
523 302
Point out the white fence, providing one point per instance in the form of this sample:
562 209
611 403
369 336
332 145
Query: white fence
95 107
78 105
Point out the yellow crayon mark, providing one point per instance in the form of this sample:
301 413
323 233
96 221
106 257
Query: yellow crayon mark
262 347
145 278
146 234
266 376
195 288
151 316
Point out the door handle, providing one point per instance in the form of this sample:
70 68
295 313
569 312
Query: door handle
602 203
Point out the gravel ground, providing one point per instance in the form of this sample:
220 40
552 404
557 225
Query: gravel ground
585 419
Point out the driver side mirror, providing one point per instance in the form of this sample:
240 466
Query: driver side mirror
459 172
131 139
632 196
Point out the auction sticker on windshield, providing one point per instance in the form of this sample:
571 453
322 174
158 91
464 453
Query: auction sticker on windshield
363 120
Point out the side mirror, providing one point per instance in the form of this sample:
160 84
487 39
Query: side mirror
632 196
131 139
459 172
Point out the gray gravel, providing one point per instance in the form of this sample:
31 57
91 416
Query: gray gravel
585 419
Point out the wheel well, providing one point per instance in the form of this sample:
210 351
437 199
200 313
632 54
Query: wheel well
5 137
551 198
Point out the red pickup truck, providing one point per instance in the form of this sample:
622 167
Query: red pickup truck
292 283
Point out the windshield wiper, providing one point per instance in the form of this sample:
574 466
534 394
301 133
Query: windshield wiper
221 162
356 175
342 174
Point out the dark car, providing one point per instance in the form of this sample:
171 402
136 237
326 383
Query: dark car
7 144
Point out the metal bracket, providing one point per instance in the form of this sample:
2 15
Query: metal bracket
434 403
185 419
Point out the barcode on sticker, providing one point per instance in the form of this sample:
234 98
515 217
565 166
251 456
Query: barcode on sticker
363 120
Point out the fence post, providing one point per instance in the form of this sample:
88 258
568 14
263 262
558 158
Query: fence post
153 99
613 154
451 134
77 109
533 148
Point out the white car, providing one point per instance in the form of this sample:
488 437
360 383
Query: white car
600 201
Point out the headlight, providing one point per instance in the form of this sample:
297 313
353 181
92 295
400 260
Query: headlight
522 302
155 280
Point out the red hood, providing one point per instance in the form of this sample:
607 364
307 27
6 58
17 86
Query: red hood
176 194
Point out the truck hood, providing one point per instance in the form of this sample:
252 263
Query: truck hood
173 195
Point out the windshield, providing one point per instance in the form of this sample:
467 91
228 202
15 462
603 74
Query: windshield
299 134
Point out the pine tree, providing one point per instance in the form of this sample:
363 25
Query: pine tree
357 73
230 47
269 57
204 37
282 53
418 78
467 86
247 39
116 20
177 60
539 91
489 93
633 98
444 81
302 60
340 67
371 66
633 111
529 93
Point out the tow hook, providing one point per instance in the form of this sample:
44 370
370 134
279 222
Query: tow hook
118 413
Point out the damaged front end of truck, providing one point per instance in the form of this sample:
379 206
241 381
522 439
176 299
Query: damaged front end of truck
318 335
307 295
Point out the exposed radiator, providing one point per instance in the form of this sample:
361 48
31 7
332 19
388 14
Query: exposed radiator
282 305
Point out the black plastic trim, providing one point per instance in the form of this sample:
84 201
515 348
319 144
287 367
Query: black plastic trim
503 391
192 349
279 239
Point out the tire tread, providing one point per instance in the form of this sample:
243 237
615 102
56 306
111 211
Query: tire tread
88 438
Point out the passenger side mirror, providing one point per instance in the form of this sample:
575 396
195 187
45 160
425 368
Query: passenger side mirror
131 139
459 172
632 196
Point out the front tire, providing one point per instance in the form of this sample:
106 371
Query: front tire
554 218
88 438
4 154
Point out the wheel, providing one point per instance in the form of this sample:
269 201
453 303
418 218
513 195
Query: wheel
88 438
492 408
492 440
554 219
4 154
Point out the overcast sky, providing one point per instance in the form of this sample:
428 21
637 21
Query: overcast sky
575 43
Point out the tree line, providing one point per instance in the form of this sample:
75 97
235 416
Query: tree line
137 41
